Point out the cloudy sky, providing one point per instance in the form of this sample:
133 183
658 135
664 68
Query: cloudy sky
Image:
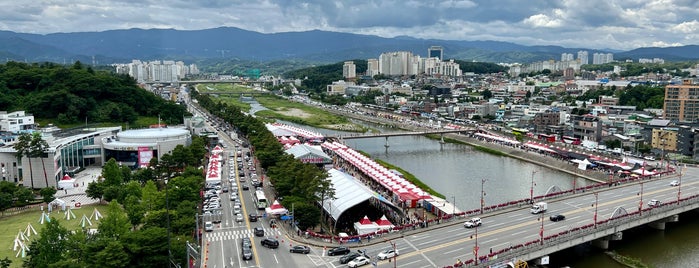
617 24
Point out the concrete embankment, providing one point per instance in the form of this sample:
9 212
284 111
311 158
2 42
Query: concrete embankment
531 157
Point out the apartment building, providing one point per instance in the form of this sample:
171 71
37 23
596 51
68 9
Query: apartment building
682 102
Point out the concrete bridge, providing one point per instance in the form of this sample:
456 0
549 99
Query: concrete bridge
386 135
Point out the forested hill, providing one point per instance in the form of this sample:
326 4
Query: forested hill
480 67
72 94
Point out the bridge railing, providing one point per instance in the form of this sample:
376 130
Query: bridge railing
518 250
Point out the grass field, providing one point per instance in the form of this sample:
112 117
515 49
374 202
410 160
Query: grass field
11 225
315 117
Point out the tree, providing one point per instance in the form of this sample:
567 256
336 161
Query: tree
95 190
5 263
134 210
5 202
115 224
23 148
487 94
307 215
23 195
48 194
49 247
37 147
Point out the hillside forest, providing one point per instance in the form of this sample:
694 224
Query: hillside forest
76 93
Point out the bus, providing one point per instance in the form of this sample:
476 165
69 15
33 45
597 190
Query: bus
260 199
519 131
547 137
571 140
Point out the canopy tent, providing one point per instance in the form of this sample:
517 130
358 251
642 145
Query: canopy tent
276 209
309 154
66 183
365 226
384 224
348 193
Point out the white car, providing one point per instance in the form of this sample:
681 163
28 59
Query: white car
208 226
674 183
387 254
359 261
239 217
474 222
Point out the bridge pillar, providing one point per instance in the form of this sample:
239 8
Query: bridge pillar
658 225
673 218
616 236
601 243
386 145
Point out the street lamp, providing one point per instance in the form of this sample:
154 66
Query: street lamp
531 190
679 185
640 203
475 247
595 217
541 231
482 195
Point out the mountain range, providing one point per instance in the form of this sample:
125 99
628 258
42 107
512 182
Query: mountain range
119 46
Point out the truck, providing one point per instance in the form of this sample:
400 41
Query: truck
538 207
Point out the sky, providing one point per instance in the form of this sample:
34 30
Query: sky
596 24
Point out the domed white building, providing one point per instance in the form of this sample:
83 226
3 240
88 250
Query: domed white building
136 147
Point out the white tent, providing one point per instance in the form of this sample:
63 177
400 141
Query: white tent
276 209
66 183
58 202
365 226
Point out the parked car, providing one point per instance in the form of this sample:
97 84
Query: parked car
209 226
239 217
389 253
349 257
338 251
674 183
259 231
359 261
300 249
557 217
270 242
245 187
474 222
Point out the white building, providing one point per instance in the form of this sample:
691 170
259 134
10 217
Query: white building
582 57
398 63
16 122
349 70
372 67
567 57
602 58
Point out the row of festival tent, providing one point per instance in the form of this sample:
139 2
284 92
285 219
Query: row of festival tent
307 134
573 233
377 172
213 168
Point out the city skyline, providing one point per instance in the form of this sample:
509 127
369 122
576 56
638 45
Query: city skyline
621 25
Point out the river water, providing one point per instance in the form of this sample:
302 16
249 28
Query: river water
457 172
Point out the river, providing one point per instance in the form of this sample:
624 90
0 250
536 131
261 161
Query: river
457 171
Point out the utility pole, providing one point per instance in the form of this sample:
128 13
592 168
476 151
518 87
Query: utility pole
453 205
640 203
541 231
679 185
531 190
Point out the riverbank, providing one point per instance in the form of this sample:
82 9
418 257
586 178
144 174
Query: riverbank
300 113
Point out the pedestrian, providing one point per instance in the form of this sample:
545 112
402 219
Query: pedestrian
66 191
368 239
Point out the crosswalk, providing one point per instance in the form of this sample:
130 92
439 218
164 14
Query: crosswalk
237 234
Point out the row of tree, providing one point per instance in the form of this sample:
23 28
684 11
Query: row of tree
301 185
73 94
641 96
152 211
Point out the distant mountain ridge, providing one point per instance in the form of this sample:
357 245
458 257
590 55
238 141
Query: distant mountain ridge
118 46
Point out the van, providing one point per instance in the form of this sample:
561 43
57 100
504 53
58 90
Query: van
654 203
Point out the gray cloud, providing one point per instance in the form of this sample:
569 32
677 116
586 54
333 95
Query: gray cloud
620 24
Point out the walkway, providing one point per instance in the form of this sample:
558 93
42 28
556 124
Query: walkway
77 194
